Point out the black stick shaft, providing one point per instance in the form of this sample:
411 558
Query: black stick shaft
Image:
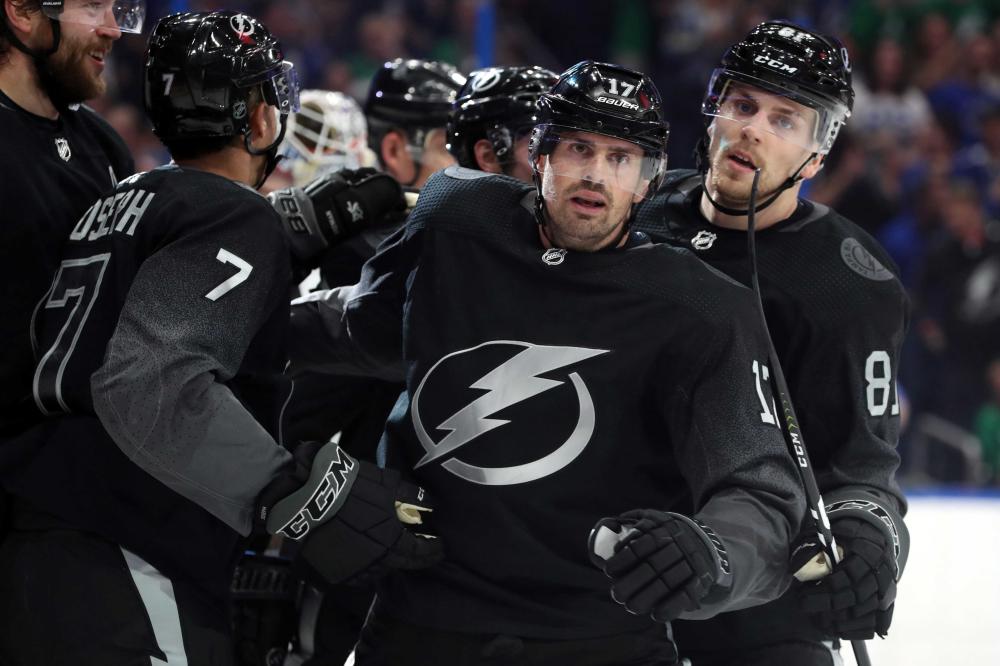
793 434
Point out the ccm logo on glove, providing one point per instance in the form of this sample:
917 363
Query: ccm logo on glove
327 493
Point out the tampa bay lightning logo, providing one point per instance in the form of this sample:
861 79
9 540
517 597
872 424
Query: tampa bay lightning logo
243 26
509 381
485 79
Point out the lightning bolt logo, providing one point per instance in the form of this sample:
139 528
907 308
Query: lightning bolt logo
513 381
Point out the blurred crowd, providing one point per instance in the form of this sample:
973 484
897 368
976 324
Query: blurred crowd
918 167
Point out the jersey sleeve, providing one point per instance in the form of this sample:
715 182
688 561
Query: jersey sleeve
733 455
844 387
358 330
190 314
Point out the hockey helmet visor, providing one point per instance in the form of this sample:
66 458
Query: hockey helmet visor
610 161
125 15
808 121
280 85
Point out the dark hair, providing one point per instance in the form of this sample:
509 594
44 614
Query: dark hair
5 29
190 148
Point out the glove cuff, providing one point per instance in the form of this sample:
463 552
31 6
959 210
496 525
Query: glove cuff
855 504
716 548
331 477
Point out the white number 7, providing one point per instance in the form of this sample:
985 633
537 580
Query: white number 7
227 257
168 83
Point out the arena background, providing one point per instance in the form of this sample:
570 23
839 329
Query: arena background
918 167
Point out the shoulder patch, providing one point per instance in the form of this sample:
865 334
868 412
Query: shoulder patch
861 261
463 173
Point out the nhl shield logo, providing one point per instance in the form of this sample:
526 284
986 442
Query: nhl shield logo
62 146
554 256
703 240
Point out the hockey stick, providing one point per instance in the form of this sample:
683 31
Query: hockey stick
793 435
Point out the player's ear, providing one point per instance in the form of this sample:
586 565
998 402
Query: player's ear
395 156
485 157
19 15
264 124
813 166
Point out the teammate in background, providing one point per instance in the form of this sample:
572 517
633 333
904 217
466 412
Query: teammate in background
407 110
161 345
328 133
490 126
653 406
57 157
837 313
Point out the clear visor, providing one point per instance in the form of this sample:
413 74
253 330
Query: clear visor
124 15
605 160
280 87
751 102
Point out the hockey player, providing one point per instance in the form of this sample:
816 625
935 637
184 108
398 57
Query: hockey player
327 134
558 369
407 109
490 125
161 345
57 157
837 313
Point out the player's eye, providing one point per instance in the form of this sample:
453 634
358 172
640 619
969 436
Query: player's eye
743 107
620 159
785 123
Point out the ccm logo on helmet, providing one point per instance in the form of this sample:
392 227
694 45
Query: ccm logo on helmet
775 64
618 102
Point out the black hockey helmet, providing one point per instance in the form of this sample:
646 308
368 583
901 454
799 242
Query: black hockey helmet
497 104
413 93
794 62
605 99
201 68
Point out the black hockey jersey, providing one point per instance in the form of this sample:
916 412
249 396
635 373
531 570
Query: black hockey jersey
50 171
161 342
837 313
547 389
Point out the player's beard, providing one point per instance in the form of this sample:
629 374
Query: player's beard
66 75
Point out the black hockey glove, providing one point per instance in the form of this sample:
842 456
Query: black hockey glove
334 207
352 518
856 600
660 563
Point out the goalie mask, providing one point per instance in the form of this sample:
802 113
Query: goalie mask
328 133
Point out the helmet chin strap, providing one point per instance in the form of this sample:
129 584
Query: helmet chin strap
726 210
36 54
271 152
